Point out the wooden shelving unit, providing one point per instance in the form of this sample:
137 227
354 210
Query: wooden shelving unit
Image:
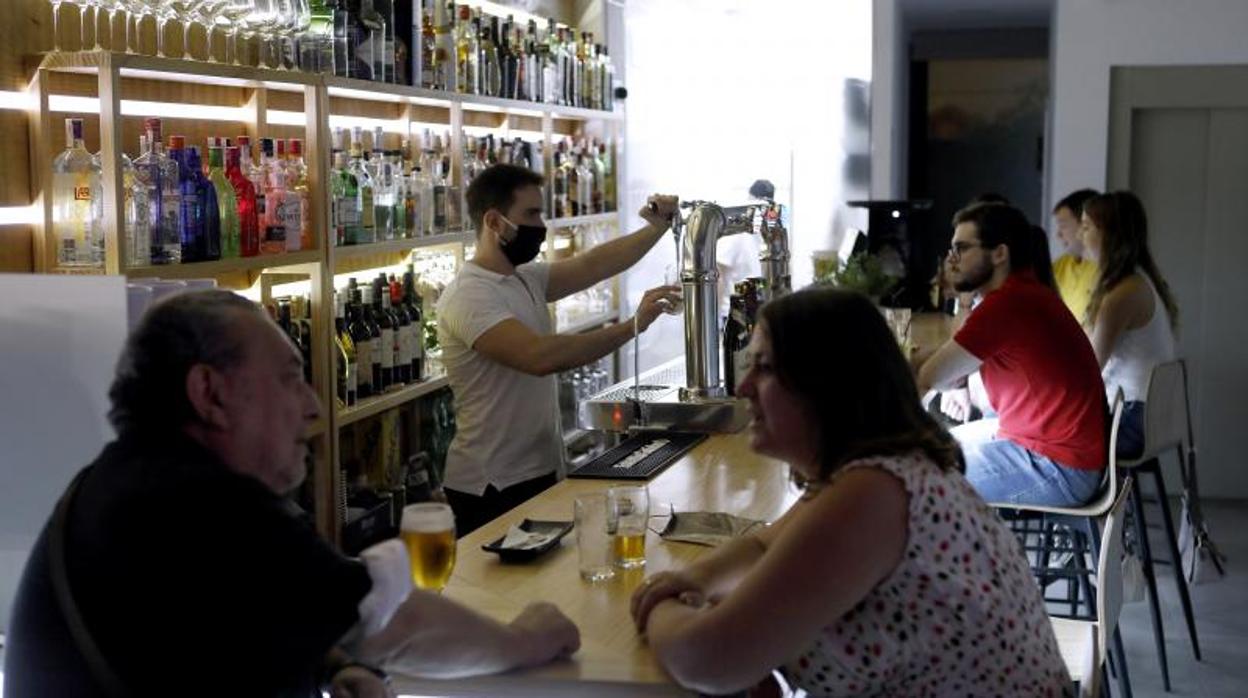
114 91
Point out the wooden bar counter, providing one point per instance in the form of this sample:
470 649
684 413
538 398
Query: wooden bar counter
720 474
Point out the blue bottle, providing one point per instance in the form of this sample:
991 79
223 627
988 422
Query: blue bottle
191 212
210 241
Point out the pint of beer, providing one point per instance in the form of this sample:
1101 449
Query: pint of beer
428 531
628 513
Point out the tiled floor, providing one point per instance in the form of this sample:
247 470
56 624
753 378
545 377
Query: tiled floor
1221 619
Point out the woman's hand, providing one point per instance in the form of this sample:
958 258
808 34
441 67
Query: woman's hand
665 585
358 682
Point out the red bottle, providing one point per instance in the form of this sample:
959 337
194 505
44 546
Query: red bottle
245 193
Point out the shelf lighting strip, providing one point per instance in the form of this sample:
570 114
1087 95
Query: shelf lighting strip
133 107
19 215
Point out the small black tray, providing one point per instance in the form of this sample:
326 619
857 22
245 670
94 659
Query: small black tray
524 555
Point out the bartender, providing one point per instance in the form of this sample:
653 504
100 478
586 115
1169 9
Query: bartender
501 352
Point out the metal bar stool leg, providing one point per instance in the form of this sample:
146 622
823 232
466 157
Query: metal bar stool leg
1176 562
1154 603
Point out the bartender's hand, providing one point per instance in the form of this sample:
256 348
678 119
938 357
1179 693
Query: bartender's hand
357 682
545 633
654 303
660 587
665 207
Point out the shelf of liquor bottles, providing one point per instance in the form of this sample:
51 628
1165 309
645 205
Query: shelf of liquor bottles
591 219
346 255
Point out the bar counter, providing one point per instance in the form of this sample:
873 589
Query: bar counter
720 474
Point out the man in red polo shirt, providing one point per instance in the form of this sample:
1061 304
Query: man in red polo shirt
1047 446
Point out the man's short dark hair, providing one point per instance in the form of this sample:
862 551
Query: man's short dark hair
1075 200
999 224
495 188
763 189
196 327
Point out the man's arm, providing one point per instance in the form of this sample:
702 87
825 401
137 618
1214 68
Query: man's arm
514 345
432 636
610 258
946 367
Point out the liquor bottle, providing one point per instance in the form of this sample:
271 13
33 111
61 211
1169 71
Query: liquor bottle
370 41
362 338
78 201
554 45
736 339
584 184
550 66
345 193
245 202
227 204
491 66
412 303
389 340
507 58
467 54
273 182
444 45
398 183
291 210
159 175
384 70
190 212
439 189
384 310
316 46
368 214
383 189
402 330
428 48
559 192
380 347
533 64
608 80
344 350
598 171
608 177
136 214
255 173
211 215
298 199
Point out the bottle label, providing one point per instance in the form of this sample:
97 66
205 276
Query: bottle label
290 215
367 214
352 370
418 341
387 349
82 193
347 211
405 345
364 358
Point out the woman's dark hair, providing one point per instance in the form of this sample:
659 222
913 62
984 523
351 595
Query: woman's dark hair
197 327
1042 260
1124 246
856 385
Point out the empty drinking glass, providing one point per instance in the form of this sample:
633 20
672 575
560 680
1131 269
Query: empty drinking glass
593 543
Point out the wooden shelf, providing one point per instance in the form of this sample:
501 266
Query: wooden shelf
583 220
374 405
196 270
589 323
178 70
353 252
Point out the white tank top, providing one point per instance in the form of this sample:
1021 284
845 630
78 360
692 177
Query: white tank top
1131 364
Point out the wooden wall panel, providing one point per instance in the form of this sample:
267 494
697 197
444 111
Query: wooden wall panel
16 253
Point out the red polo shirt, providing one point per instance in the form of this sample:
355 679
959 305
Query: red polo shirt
1039 371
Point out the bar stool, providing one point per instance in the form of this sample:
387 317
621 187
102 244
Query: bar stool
1083 522
1167 424
1082 642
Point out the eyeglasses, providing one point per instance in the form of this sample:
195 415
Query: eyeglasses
957 249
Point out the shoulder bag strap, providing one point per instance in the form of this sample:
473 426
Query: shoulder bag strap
101 672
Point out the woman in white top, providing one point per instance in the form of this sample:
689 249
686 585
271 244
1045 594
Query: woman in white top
1132 316
890 576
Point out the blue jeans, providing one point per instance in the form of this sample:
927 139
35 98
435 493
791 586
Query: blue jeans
1004 472
1131 430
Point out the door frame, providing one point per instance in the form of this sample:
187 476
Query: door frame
1162 87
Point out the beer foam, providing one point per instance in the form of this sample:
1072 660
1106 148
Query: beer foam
428 517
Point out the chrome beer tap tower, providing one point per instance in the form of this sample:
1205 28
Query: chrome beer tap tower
694 399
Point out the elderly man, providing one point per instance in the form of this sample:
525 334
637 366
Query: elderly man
174 566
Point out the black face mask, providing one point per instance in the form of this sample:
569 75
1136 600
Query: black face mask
524 247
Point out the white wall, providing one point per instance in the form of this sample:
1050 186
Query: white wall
724 92
890 70
1090 36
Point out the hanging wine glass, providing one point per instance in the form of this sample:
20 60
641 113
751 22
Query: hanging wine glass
163 12
82 21
209 13
136 10
232 15
56 23
185 11
259 22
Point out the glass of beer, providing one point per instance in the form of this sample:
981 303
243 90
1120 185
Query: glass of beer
628 512
428 531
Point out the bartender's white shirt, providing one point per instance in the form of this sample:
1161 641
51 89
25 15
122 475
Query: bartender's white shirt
507 429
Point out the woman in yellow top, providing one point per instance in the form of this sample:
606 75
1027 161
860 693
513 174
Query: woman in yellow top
1075 274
